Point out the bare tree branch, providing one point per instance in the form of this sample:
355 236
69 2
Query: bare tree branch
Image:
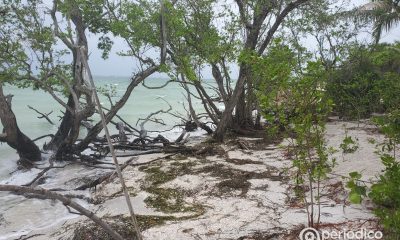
66 201
279 19
111 147
163 31
43 115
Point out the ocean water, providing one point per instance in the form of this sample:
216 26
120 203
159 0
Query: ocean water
142 102
17 217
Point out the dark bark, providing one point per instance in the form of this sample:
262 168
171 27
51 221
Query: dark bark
42 115
208 99
227 114
63 129
196 122
92 134
220 82
76 112
253 31
135 80
12 135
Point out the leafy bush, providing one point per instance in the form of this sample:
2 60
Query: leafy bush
295 101
367 82
349 145
386 195
357 190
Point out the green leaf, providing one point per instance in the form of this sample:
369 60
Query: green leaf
355 198
355 175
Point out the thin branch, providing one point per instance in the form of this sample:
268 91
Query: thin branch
111 147
148 118
279 19
53 11
43 115
47 135
66 201
163 31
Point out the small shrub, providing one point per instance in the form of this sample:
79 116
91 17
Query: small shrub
349 145
386 195
357 190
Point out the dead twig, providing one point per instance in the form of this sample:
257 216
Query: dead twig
44 136
42 115
66 201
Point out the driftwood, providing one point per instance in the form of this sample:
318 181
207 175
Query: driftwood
110 175
143 131
104 177
181 137
121 132
65 200
129 128
42 115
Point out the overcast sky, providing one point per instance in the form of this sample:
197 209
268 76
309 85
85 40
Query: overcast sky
125 66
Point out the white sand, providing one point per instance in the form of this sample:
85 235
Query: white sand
263 208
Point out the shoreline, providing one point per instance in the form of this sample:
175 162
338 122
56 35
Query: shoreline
228 194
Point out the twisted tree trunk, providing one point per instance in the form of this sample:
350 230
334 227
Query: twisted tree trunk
254 43
69 129
12 135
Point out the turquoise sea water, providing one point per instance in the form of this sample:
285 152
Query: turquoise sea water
142 102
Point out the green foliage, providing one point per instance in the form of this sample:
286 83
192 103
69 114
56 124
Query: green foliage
389 125
194 38
357 190
105 44
295 99
367 82
384 14
310 108
386 195
349 145
274 75
28 53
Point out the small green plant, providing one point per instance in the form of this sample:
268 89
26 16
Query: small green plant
389 125
358 190
386 195
371 140
349 145
295 104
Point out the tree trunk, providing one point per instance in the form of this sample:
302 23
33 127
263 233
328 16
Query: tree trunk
96 129
227 114
26 148
68 131
243 113
64 128
245 106
253 31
